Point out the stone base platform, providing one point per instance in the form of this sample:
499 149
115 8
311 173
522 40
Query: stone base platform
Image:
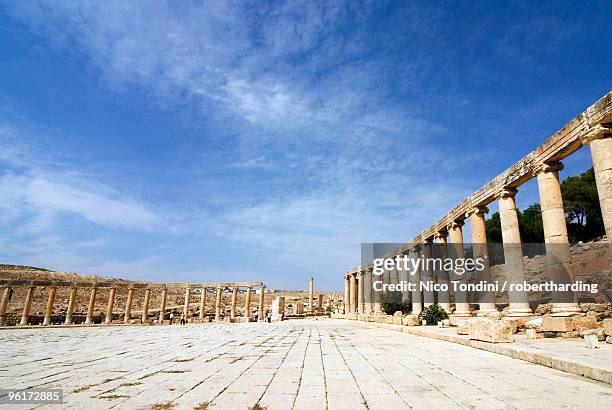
568 355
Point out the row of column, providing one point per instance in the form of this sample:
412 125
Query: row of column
129 302
360 297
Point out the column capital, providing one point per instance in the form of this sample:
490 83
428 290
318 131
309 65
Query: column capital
428 241
479 210
415 248
441 235
554 166
595 132
507 192
457 223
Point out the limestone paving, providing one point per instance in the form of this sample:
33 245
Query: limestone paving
299 364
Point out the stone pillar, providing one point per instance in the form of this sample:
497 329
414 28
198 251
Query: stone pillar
353 294
92 306
441 247
360 292
486 300
49 309
320 302
404 279
367 291
4 305
556 238
311 308
415 278
187 300
247 303
347 295
513 252
218 305
233 305
128 306
202 303
145 306
262 294
71 304
25 315
427 273
462 306
109 308
600 143
162 305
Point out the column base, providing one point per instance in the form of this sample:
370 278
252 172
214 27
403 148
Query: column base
566 309
519 312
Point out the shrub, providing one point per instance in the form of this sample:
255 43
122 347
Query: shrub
391 307
433 314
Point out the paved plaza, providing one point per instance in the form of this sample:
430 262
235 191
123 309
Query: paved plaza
314 364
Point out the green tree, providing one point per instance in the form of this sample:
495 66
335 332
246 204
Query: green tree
531 225
493 226
581 205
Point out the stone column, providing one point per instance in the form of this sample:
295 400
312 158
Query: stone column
233 305
218 305
4 305
187 300
441 247
311 308
247 303
109 308
162 305
128 306
367 291
600 143
202 303
462 306
556 238
262 294
353 294
360 292
486 300
427 273
417 300
25 315
71 304
347 295
92 306
49 309
513 252
404 279
145 306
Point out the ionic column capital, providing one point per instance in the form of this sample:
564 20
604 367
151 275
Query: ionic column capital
595 132
479 210
441 235
545 167
507 192
458 223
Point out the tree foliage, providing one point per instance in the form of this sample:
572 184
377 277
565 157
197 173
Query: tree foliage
582 213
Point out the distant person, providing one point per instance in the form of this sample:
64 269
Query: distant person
256 316
171 317
182 319
269 317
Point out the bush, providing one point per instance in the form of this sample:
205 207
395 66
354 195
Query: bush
433 314
391 307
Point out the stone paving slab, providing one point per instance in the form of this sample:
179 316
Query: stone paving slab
305 364
568 355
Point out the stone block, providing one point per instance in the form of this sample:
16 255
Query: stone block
591 341
531 334
556 324
397 320
411 320
490 330
607 326
535 324
463 327
609 339
583 322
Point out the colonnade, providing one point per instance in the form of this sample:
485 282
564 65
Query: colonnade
593 128
145 289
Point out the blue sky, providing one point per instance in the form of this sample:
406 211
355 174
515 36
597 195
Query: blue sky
189 141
